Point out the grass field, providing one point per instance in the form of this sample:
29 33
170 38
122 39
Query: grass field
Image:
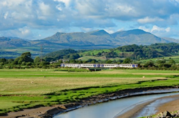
30 87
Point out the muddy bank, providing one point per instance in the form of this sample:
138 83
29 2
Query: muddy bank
48 112
146 108
170 106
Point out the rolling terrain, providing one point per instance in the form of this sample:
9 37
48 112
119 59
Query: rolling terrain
134 52
12 47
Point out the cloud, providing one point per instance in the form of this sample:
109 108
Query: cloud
87 14
6 15
149 20
159 31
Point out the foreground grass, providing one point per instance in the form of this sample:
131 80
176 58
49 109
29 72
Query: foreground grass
21 89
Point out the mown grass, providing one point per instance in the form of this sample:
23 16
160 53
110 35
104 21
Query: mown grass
27 88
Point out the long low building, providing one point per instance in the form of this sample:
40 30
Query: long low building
100 65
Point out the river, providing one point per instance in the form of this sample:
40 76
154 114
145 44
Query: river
115 108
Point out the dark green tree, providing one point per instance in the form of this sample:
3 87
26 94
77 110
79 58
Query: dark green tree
127 61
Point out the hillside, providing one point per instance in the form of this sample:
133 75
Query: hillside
130 51
13 42
101 37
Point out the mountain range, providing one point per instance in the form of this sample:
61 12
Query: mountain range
94 38
101 37
98 39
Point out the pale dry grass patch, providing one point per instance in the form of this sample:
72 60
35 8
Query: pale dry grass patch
155 73
113 72
46 85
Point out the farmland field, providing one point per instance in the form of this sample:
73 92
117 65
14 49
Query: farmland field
30 87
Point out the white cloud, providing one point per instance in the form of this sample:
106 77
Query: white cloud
149 20
6 15
66 2
24 31
144 28
159 29
87 14
45 9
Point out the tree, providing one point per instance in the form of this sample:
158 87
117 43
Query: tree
109 61
37 60
127 60
161 62
3 61
149 64
25 57
26 54
171 61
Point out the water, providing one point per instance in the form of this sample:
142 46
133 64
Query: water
115 108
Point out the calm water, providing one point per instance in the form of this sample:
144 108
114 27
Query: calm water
117 107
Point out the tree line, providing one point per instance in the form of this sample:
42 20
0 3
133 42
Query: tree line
23 61
26 61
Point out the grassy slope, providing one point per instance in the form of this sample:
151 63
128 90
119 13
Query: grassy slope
30 87
95 52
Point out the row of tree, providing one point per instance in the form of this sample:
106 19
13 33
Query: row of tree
26 61
160 64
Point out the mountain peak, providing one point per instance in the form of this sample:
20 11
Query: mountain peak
59 33
129 32
99 32
137 31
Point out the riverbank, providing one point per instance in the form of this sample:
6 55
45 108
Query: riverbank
47 112
170 106
140 110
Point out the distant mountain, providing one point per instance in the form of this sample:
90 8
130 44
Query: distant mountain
101 37
79 38
171 39
138 37
98 32
13 42
90 40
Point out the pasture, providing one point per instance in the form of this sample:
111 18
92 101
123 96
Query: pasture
30 87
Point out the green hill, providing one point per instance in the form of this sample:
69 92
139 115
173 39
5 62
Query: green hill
135 52
12 47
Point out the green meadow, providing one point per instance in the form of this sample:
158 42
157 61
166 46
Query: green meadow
27 88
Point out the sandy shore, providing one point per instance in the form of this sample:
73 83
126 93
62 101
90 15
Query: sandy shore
134 111
169 106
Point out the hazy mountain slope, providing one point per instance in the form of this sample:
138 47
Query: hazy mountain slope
138 37
80 38
13 42
101 37
171 39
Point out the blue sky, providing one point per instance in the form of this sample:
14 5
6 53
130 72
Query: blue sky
36 19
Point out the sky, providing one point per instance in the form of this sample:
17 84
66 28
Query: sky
37 19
